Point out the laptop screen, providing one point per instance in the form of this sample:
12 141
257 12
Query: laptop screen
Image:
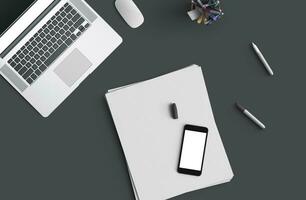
11 10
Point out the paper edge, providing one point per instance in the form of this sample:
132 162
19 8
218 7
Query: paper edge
149 80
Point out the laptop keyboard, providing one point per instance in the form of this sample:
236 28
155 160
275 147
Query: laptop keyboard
60 32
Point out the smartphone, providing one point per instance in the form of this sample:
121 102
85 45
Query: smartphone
192 150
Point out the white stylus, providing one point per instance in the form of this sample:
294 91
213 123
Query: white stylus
262 59
250 116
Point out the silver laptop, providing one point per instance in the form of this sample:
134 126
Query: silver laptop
51 48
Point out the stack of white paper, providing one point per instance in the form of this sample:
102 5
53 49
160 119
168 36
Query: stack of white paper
151 139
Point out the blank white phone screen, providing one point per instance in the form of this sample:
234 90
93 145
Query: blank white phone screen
193 150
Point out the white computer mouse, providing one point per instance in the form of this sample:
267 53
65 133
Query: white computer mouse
130 12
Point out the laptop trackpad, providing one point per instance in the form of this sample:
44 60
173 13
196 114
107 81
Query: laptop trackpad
73 67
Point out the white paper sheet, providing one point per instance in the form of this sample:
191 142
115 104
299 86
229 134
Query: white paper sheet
151 139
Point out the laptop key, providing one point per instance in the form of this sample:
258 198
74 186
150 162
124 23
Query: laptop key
51 50
66 27
73 12
53 40
37 72
68 33
42 67
56 29
42 35
52 32
55 46
36 49
21 55
47 54
49 44
68 42
28 65
56 54
63 14
27 74
65 20
72 29
31 53
38 63
76 17
32 45
34 76
25 51
62 31
43 58
79 22
61 24
38 39
13 64
64 38
55 22
59 42
50 27
41 52
36 56
69 16
57 36
27 58
23 62
18 67
45 48
32 60
81 28
70 23
34 67
73 37
68 9
44 41
40 45
48 37
58 18
46 31
22 71
30 81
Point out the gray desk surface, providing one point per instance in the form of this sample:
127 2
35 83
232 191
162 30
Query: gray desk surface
76 154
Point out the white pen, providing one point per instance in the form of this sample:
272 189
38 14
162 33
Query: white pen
250 116
262 59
